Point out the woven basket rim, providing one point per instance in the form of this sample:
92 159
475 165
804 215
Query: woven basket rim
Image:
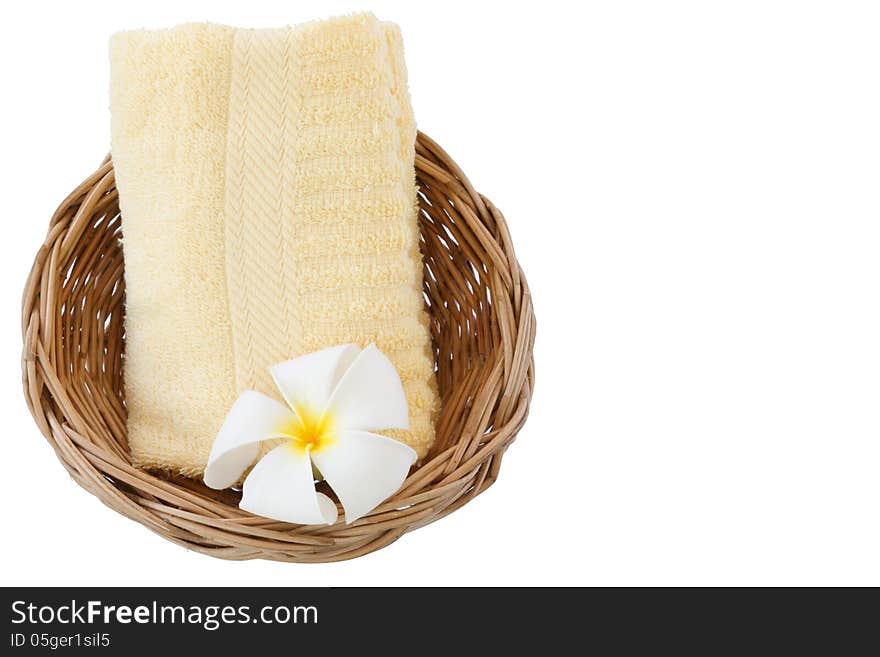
483 330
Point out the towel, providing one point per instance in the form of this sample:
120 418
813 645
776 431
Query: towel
267 187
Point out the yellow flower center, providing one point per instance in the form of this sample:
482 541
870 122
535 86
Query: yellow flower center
310 430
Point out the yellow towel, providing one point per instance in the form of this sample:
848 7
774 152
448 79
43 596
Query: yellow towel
267 189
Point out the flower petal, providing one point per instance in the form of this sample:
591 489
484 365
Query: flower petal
369 396
281 487
364 469
253 418
310 379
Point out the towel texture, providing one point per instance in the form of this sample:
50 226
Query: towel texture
267 188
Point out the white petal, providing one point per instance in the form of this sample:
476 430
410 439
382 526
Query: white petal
252 418
364 469
309 380
369 396
281 487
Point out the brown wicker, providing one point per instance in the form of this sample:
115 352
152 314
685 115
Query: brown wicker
483 332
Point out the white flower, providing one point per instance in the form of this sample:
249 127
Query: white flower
336 398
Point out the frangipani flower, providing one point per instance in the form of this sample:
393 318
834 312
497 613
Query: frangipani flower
335 399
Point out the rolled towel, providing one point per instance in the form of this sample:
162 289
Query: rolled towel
267 188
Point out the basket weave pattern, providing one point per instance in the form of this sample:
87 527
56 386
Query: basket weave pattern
482 327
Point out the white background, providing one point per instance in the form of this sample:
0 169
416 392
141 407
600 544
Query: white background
693 192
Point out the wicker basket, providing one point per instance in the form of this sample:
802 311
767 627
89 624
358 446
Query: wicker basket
483 330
